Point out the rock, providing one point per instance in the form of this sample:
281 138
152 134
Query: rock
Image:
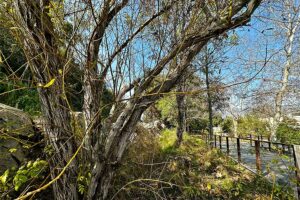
15 121
155 127
16 128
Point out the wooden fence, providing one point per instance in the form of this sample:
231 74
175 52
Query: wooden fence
259 142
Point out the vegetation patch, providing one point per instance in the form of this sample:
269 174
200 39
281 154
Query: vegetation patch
155 168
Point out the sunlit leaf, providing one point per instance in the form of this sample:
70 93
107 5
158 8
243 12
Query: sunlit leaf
4 177
12 150
49 83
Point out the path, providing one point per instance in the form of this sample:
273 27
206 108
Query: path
282 166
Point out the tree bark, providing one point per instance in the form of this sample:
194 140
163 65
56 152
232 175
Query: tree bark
235 126
209 100
181 116
40 49
292 27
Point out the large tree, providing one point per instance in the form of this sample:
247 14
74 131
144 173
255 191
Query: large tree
110 40
289 27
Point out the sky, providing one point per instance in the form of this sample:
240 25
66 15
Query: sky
261 40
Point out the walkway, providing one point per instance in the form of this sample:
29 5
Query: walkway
272 162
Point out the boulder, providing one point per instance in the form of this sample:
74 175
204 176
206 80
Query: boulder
16 128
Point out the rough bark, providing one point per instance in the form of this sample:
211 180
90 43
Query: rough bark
40 48
181 116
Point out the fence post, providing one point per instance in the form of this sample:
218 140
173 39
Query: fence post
283 148
220 141
269 143
250 140
227 144
257 154
215 141
238 145
296 152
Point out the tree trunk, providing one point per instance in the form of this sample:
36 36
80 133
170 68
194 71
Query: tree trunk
285 76
181 117
41 52
235 127
209 100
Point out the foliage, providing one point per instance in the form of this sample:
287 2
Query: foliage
227 125
167 107
202 124
32 172
25 99
12 67
287 133
217 120
13 59
197 125
155 168
251 124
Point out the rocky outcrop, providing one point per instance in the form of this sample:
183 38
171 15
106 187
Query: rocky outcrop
17 136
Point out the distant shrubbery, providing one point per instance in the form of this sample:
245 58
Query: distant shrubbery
227 125
288 133
251 124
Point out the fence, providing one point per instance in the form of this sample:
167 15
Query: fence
259 142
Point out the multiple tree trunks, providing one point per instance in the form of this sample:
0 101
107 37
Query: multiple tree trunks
105 140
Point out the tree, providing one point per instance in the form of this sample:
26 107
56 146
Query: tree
102 43
290 26
251 124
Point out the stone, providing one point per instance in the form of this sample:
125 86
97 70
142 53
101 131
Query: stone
15 126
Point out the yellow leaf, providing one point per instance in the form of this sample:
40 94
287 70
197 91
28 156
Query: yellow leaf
12 150
60 71
4 177
50 83
208 186
13 28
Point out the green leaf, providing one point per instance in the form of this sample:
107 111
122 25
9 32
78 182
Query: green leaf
4 177
19 180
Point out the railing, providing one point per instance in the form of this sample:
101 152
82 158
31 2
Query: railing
259 143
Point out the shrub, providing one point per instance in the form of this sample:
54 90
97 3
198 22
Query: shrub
288 134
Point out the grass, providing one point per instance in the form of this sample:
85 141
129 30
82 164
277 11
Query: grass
155 169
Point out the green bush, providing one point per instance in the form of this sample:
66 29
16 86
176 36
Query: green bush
196 125
287 133
251 124
227 125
